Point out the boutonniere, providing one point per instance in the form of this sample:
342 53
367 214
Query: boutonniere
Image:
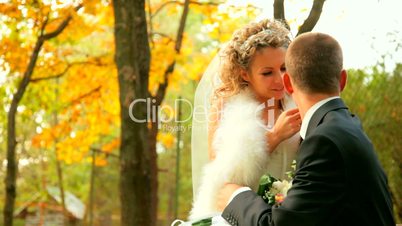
274 191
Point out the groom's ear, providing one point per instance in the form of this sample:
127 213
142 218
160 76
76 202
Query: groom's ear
287 83
343 79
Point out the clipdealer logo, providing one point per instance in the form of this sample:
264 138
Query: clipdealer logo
160 113
164 114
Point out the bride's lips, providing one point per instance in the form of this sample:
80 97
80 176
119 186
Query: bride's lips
278 90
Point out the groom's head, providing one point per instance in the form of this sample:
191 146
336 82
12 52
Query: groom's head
314 64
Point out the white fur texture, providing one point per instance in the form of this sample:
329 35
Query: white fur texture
241 153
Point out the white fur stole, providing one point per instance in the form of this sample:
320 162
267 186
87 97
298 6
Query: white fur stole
241 152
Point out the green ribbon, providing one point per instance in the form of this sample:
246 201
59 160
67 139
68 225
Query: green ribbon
203 222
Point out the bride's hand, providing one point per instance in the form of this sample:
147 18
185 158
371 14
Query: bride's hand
287 124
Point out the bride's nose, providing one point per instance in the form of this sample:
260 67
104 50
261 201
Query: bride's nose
278 78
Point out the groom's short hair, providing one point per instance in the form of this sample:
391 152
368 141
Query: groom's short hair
314 61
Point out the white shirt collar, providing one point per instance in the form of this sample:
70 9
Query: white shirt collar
310 113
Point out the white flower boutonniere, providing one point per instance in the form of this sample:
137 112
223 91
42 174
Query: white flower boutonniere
274 191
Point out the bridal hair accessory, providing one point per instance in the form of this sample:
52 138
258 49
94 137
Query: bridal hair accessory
258 38
267 33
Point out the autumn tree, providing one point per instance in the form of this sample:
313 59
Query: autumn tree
44 34
159 97
157 92
82 97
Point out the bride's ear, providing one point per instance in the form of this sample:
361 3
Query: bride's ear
287 83
245 75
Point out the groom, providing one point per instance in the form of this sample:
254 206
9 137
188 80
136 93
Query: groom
338 179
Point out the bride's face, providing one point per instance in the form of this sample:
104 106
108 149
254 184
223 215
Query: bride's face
265 73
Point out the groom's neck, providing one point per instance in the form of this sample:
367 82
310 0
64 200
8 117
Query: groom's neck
306 101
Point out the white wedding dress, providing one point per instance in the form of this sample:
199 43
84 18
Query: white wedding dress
241 153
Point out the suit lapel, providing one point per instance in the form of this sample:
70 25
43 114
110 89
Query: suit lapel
318 116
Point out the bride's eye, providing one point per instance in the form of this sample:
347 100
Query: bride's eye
268 73
283 69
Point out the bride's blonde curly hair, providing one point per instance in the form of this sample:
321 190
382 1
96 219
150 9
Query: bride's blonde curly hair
238 53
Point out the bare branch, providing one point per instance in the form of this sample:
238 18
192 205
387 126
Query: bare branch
205 3
312 18
97 150
163 170
182 25
61 27
85 95
163 6
279 12
52 76
42 29
69 65
160 94
179 40
162 35
150 31
181 3
58 30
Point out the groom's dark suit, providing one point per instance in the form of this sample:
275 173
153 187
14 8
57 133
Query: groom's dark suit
338 180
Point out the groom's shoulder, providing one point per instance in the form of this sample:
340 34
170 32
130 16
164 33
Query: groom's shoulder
339 132
347 136
340 125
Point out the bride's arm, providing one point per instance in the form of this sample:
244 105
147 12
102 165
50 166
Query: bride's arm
287 124
213 121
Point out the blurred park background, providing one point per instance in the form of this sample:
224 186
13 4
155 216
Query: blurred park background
70 152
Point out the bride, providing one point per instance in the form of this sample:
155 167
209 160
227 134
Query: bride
250 126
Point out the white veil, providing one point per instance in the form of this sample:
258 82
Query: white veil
199 133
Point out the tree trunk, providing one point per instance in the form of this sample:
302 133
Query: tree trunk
312 18
91 191
279 12
60 183
153 132
308 24
12 164
43 186
59 169
160 94
136 162
158 99
177 193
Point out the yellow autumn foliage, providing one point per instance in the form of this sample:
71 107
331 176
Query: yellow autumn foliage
163 54
87 101
112 145
87 92
166 139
